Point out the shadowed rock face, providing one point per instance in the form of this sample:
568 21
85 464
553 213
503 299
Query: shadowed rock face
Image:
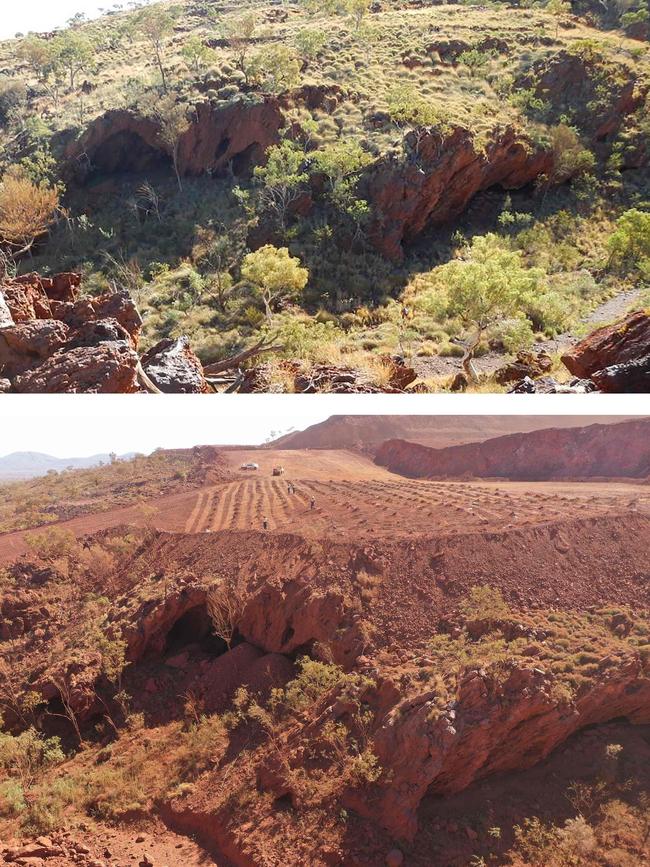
123 142
571 82
445 172
621 450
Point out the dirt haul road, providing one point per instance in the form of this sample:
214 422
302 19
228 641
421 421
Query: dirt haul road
355 500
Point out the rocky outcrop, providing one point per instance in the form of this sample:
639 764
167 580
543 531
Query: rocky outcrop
621 450
57 342
625 340
440 176
499 721
123 141
441 172
52 340
572 82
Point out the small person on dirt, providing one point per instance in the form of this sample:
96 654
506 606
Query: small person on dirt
406 312
265 524
312 503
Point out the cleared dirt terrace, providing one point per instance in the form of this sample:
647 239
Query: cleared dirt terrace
386 508
355 500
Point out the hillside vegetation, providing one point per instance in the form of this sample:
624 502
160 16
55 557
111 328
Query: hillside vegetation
66 494
349 180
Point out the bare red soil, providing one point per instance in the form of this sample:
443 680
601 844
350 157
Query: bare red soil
352 496
478 717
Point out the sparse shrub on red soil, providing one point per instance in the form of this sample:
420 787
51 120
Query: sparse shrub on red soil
337 750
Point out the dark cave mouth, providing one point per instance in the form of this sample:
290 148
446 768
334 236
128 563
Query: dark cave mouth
194 628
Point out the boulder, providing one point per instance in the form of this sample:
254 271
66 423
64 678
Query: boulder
627 378
174 368
105 369
626 340
27 344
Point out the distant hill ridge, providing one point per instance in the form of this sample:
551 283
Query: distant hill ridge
28 465
619 450
365 433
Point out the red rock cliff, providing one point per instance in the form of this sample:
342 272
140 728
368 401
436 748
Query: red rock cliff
621 450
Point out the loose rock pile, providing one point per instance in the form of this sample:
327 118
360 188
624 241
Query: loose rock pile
331 378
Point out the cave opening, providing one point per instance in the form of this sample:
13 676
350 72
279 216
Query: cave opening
126 153
194 627
243 162
222 148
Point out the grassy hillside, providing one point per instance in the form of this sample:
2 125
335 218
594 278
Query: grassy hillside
69 493
397 153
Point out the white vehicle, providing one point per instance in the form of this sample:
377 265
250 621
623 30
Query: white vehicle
250 466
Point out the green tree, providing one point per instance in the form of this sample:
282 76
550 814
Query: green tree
156 25
238 31
197 54
341 164
629 20
340 161
282 178
559 9
275 274
357 9
277 68
629 245
36 53
408 109
174 123
489 284
475 60
310 42
74 52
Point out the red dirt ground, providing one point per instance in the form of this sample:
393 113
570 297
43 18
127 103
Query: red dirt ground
356 500
411 550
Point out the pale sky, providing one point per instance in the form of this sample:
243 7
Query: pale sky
42 15
79 425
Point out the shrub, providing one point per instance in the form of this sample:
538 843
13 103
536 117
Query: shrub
26 211
629 245
484 603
